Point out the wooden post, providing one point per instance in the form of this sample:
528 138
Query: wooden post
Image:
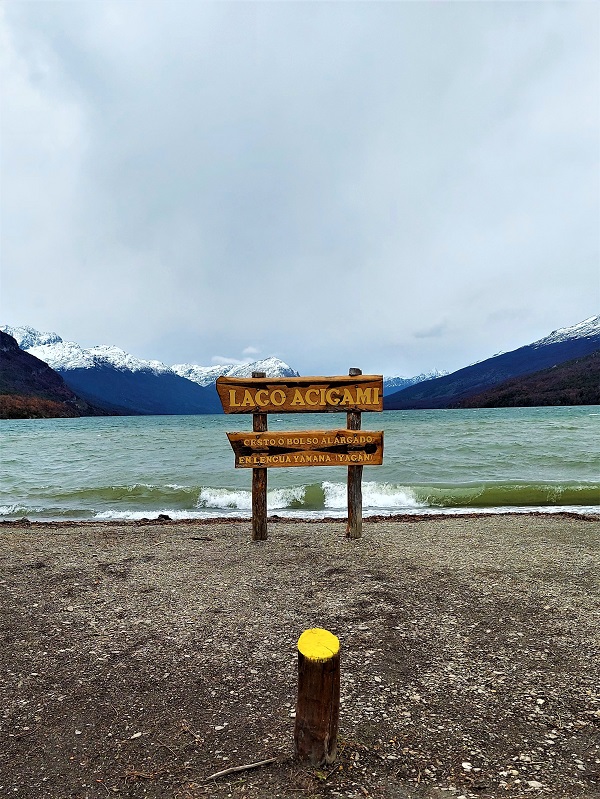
318 703
259 482
354 526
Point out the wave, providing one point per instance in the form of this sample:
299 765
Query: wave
489 495
137 492
142 500
387 496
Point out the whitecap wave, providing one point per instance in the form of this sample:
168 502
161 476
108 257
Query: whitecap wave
376 496
239 499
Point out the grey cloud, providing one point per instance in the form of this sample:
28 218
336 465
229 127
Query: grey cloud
320 179
435 331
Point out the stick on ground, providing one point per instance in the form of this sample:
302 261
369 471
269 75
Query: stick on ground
240 768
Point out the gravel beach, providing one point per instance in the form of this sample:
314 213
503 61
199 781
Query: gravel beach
140 658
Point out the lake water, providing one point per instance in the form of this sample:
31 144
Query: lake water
448 461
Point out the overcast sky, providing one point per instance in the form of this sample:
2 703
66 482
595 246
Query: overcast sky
395 186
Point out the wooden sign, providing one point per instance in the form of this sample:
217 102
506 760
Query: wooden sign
301 394
259 450
308 448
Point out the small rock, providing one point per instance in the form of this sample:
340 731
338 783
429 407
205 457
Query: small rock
534 784
467 766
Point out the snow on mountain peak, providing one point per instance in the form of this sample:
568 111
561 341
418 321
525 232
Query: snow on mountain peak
273 367
65 355
589 327
392 384
26 337
206 375
106 355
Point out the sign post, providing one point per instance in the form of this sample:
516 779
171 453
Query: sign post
354 526
261 449
259 481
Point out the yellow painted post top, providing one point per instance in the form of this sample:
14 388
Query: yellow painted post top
318 644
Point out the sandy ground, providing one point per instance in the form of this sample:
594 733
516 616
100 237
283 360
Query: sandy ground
138 659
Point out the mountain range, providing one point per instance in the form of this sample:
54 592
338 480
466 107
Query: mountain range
30 389
450 391
575 382
106 379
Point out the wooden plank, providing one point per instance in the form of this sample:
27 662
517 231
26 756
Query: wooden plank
307 448
301 394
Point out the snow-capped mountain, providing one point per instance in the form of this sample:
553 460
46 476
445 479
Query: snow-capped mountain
588 329
392 384
113 378
560 346
64 355
27 337
207 375
30 389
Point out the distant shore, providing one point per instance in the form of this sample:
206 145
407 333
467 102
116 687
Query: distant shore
142 657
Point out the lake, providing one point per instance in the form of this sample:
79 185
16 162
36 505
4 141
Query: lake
435 461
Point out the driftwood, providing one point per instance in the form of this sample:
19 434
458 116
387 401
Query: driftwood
234 769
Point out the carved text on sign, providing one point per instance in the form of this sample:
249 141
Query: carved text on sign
301 395
308 448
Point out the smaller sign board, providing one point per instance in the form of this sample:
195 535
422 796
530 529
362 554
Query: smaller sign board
307 448
301 394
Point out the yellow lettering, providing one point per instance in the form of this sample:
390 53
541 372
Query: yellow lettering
312 391
298 398
259 401
247 399
281 396
363 396
330 396
232 401
347 399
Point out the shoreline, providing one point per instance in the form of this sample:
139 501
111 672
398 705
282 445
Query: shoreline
165 519
143 656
